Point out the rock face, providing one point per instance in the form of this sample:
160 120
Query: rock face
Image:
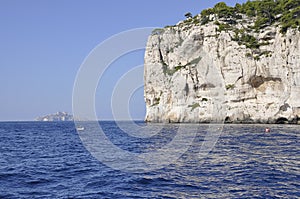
203 73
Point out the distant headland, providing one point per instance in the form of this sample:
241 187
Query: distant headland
59 116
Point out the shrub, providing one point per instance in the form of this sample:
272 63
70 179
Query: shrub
188 15
224 27
204 20
194 106
158 31
230 86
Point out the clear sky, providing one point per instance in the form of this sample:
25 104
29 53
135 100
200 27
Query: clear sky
44 42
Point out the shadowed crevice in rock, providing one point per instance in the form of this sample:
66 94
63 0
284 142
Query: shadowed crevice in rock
256 81
282 120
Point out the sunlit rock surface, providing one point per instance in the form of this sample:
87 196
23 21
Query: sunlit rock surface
199 73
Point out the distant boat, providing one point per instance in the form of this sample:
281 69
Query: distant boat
80 128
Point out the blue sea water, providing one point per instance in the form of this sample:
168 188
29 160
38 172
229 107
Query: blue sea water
49 160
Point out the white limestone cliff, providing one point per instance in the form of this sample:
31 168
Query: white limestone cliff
199 73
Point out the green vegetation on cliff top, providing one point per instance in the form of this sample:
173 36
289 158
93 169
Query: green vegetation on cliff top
266 12
285 13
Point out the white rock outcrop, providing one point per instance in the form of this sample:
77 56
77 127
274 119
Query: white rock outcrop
198 73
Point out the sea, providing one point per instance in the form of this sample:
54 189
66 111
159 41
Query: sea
54 160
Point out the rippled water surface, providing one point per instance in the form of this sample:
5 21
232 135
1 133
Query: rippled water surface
48 160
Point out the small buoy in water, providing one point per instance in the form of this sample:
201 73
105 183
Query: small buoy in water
80 128
267 130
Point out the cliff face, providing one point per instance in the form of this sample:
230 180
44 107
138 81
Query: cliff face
203 73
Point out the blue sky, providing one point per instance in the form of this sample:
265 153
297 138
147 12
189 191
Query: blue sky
44 42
